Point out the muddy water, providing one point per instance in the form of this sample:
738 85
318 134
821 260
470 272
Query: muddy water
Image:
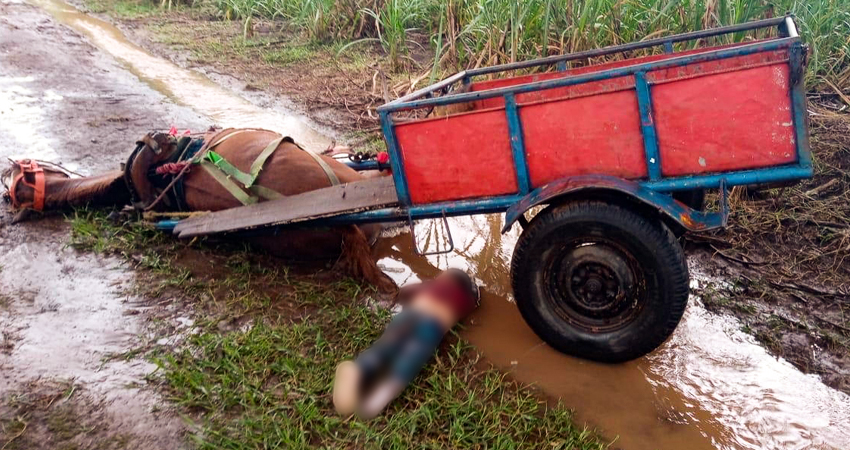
75 289
709 387
186 87
68 317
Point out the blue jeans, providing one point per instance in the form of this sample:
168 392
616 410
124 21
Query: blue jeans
407 344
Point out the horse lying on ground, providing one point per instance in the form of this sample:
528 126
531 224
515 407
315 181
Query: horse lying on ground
223 169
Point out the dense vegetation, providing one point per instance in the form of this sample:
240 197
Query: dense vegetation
469 33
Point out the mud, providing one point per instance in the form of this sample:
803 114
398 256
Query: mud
710 386
182 86
335 93
64 313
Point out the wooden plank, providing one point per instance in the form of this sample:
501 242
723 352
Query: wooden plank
326 202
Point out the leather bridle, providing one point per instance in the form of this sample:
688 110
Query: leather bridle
29 166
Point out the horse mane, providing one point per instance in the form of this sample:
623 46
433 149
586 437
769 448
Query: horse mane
108 189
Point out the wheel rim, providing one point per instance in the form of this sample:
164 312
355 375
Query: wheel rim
595 285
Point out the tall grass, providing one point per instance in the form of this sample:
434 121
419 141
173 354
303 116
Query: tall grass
483 32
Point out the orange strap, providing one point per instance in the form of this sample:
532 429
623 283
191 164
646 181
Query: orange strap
29 166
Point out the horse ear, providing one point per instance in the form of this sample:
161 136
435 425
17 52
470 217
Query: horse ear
151 143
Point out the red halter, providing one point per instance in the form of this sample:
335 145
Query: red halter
29 166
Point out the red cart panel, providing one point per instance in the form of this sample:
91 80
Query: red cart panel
730 121
582 89
457 157
588 135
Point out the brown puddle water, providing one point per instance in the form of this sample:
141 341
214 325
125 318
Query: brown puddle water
709 387
184 86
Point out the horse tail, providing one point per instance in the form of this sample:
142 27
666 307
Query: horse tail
356 260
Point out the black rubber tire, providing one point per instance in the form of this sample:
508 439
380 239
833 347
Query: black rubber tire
656 267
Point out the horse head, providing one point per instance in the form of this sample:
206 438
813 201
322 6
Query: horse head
39 186
28 181
153 148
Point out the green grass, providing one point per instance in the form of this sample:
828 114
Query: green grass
268 385
124 9
289 54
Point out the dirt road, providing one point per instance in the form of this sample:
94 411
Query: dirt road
61 312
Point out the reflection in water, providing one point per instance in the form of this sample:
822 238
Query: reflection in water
709 387
68 317
22 118
184 86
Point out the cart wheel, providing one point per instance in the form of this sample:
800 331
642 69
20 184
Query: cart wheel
600 281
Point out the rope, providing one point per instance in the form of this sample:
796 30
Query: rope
171 168
185 169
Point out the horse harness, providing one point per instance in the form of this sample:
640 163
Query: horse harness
28 166
234 180
239 184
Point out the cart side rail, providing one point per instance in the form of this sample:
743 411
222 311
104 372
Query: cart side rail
775 44
786 25
780 169
585 186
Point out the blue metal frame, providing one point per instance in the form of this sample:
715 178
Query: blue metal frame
424 98
363 165
743 50
517 144
689 218
647 123
396 159
648 190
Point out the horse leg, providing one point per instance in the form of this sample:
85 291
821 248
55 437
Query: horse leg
356 260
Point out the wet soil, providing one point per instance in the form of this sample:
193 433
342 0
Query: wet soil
784 258
711 386
339 91
63 313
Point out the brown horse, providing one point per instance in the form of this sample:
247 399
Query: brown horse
288 170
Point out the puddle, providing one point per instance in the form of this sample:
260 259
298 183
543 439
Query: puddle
184 86
709 387
22 116
68 316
